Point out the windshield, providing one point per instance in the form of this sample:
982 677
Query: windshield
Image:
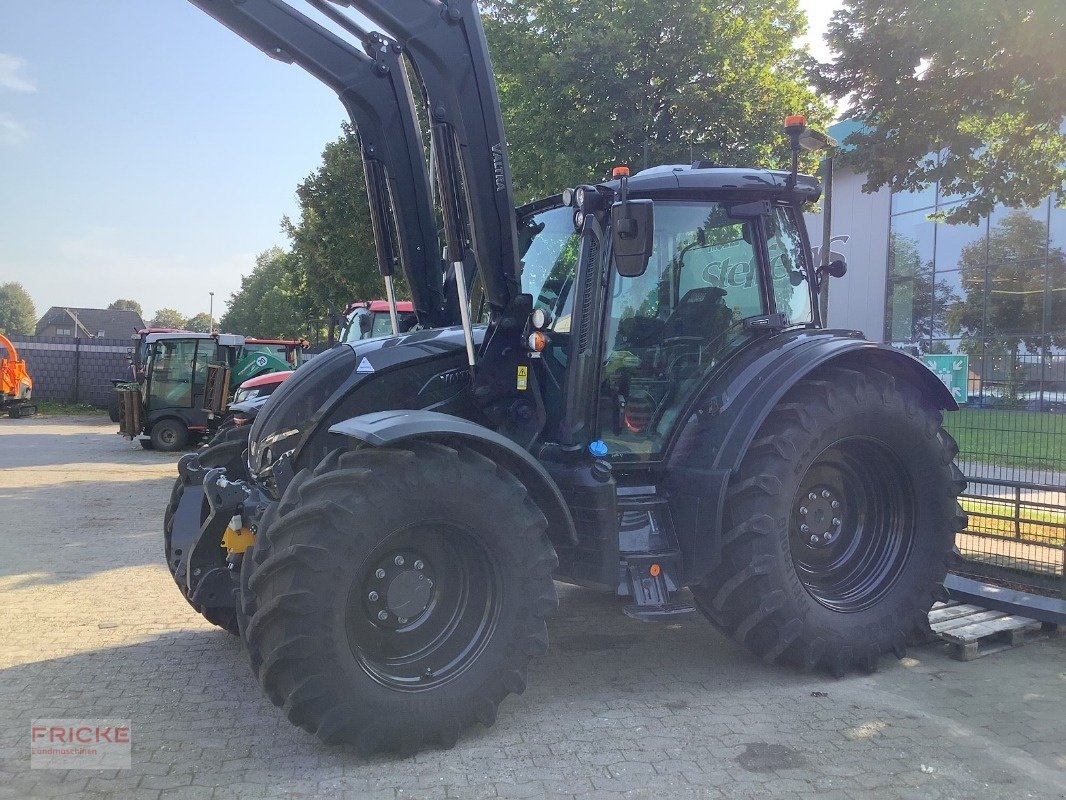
549 261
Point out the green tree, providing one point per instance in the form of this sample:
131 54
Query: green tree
127 305
18 317
269 303
333 260
982 82
586 87
201 323
167 318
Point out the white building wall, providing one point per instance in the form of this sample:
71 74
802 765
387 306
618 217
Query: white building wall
860 235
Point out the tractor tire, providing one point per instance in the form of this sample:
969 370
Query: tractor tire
228 454
384 607
113 411
839 525
169 435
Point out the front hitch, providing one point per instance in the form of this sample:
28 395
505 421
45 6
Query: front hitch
208 505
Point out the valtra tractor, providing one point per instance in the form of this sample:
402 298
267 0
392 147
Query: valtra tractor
16 385
625 386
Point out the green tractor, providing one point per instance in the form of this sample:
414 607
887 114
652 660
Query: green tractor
626 386
184 379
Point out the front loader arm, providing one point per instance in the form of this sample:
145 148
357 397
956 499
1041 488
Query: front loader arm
446 43
375 91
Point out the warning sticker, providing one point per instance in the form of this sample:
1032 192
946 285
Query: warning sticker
364 366
523 378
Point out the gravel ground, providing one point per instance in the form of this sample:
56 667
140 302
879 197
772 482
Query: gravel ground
92 626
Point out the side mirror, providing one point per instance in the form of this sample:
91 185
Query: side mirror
632 235
837 269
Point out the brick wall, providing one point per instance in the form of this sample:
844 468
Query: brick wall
66 370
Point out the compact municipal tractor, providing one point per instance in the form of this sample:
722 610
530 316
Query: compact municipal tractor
625 386
180 382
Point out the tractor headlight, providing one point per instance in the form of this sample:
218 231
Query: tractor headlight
295 404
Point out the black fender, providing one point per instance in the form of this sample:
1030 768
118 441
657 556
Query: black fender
386 428
722 422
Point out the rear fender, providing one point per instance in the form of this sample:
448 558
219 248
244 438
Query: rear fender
723 422
389 428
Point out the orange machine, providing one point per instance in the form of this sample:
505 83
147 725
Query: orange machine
16 385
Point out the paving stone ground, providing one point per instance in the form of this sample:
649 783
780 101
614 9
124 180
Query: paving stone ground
91 625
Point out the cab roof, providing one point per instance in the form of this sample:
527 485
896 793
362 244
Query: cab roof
705 176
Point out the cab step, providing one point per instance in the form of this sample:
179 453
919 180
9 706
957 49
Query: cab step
658 613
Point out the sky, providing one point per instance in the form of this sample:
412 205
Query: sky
147 152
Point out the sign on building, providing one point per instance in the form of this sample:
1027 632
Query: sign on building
954 371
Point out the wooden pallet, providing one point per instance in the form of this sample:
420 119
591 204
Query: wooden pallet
972 631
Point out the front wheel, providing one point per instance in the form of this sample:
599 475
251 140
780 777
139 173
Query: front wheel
394 596
169 435
839 524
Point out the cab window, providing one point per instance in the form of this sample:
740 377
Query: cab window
669 327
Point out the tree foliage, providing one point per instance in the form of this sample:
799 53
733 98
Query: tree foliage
127 305
333 251
18 317
201 323
167 318
269 303
585 87
982 83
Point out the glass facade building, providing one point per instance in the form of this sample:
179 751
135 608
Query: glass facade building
995 291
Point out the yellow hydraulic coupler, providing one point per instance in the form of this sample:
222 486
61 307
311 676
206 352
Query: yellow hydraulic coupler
237 539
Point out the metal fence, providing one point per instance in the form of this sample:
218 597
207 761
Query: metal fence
1012 448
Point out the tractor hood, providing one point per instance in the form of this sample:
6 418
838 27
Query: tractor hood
415 370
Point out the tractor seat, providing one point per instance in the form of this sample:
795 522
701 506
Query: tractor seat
699 314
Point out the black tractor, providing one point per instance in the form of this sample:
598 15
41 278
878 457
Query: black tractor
625 386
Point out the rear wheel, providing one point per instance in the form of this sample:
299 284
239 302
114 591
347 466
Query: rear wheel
169 435
114 413
839 525
228 453
382 606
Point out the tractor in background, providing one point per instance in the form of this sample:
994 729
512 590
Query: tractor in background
183 384
16 385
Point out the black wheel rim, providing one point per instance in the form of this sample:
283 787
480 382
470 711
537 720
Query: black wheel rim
852 524
168 435
423 606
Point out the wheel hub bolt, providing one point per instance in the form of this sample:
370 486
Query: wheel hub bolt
828 536
804 528
812 496
419 564
825 493
835 504
814 539
380 573
836 520
402 620
383 615
803 510
398 561
373 596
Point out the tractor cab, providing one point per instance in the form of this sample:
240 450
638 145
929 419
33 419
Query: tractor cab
166 406
370 319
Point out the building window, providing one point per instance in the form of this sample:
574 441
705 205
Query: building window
63 332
